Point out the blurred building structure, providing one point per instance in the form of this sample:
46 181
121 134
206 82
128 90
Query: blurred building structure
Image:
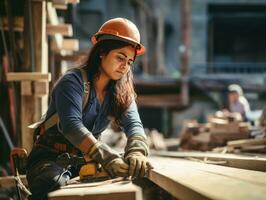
225 44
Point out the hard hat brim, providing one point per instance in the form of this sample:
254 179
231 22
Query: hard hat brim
140 49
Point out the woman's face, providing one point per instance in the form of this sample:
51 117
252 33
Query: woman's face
117 62
233 97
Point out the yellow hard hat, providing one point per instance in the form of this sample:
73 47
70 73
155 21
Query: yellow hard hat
120 29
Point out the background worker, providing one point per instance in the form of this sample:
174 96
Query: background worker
237 101
112 98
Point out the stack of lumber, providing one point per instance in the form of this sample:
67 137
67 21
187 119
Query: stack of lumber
220 129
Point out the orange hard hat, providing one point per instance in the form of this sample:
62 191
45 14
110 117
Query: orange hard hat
120 29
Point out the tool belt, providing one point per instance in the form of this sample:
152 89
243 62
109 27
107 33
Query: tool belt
49 146
56 141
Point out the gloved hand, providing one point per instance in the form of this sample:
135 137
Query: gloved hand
111 161
135 155
138 164
118 167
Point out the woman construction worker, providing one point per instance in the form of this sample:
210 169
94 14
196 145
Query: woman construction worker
83 102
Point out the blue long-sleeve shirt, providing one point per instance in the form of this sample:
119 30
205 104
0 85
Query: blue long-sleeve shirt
77 124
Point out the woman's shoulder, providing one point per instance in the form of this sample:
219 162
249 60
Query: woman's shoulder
71 78
72 75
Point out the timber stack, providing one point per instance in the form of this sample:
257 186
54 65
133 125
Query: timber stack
220 128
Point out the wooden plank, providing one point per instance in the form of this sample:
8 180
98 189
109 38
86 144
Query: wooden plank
28 76
247 142
60 6
59 2
18 24
65 1
53 20
33 108
67 44
159 101
73 1
190 180
255 177
120 190
254 148
249 162
63 29
26 88
41 89
186 27
9 181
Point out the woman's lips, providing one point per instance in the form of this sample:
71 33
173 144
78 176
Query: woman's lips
119 72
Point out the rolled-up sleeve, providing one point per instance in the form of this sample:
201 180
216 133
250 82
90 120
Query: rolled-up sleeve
131 122
68 102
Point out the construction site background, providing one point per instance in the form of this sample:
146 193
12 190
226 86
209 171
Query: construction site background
195 50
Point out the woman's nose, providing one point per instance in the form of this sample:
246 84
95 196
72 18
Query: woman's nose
124 65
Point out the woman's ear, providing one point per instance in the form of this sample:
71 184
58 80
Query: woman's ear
102 55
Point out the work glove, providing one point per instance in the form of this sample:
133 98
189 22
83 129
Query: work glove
110 160
118 167
136 152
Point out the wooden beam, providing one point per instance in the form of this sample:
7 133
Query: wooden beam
247 142
112 191
67 44
17 26
73 1
159 101
185 16
25 88
59 43
249 162
65 1
33 108
53 20
9 181
28 76
63 29
192 180
60 6
37 89
60 1
40 89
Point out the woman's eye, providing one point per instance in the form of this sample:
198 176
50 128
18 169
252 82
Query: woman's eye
120 59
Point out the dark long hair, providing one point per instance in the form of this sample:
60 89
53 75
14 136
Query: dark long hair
123 89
